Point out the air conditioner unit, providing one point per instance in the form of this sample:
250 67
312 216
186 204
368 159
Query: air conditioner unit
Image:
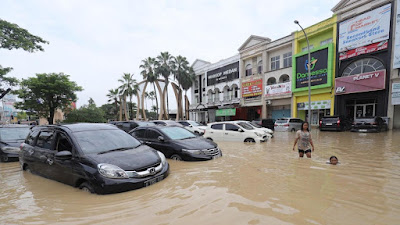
268 102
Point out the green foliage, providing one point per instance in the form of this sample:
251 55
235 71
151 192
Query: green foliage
22 115
86 114
110 112
45 93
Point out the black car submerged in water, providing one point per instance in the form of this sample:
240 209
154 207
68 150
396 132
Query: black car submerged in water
98 158
177 143
11 137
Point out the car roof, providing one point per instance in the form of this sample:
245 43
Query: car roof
76 127
14 126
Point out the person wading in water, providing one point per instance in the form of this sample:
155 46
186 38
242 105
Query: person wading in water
303 136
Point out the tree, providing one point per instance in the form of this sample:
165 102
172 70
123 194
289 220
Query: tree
150 75
113 95
129 87
163 66
183 74
47 92
14 37
110 112
86 114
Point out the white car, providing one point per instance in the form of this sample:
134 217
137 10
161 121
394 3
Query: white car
234 131
267 131
193 126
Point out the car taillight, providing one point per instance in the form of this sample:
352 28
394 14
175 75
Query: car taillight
320 123
21 146
275 125
374 123
338 122
286 125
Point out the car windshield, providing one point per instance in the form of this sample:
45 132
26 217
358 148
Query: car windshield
281 121
143 124
177 133
97 141
13 133
246 126
195 124
255 125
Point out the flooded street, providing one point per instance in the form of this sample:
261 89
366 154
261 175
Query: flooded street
251 184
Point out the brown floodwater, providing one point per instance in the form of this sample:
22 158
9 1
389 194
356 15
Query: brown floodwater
251 184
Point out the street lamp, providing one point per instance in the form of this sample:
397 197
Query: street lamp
309 75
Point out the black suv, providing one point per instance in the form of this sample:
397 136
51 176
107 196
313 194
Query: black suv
177 143
267 123
334 123
98 158
11 137
130 125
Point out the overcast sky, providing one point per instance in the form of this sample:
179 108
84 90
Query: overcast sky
95 42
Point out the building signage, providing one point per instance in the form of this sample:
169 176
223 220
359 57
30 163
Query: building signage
396 58
365 82
278 89
223 74
365 29
252 88
396 94
324 104
364 50
226 112
319 69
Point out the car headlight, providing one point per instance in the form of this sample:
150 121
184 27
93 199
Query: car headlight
194 152
10 149
111 171
162 157
258 134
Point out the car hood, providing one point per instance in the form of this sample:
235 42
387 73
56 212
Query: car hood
195 143
129 160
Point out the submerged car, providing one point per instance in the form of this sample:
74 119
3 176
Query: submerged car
267 131
334 123
267 123
130 125
98 158
369 124
167 123
234 131
11 137
193 126
177 143
288 124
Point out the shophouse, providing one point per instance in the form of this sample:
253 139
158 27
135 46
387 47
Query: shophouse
364 75
322 40
215 95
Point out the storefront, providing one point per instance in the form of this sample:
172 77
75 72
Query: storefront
252 91
362 82
278 100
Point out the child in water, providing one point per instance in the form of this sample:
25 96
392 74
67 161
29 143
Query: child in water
333 160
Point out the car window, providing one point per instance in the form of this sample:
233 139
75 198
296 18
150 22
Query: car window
255 125
195 124
139 133
184 123
44 140
13 133
216 126
177 133
96 141
62 143
231 127
152 134
30 140
246 126
281 121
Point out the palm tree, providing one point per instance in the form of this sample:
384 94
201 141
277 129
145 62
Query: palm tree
129 87
164 67
149 74
113 95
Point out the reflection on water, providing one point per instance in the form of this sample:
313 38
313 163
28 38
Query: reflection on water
251 184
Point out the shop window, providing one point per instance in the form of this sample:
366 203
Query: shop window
305 49
248 70
325 42
271 81
226 94
287 60
275 62
216 95
363 66
259 67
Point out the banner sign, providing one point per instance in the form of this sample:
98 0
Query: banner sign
319 69
396 94
396 58
364 82
226 112
278 89
324 104
223 74
252 88
365 29
364 50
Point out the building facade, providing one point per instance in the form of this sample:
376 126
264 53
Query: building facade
322 39
364 60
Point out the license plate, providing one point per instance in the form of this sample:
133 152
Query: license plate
363 130
329 124
153 180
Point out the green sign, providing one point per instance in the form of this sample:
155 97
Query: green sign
226 112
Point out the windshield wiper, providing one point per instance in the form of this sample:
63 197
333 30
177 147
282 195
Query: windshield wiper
187 138
113 150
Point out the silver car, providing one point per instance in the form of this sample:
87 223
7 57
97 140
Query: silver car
288 124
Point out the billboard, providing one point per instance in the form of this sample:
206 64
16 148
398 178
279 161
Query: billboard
223 74
396 58
252 88
278 89
365 29
364 50
364 82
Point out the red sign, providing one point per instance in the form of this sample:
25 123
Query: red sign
364 82
364 50
252 88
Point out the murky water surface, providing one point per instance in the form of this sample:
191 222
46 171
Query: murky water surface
251 184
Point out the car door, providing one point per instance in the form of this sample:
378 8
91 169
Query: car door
232 133
28 156
216 132
44 152
152 140
61 169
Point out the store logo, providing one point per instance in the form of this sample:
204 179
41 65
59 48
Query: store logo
313 62
340 89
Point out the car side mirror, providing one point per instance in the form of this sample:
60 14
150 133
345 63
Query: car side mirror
190 125
161 138
63 155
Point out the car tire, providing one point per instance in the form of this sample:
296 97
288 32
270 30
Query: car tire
27 169
176 157
249 140
85 186
4 158
293 130
210 139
